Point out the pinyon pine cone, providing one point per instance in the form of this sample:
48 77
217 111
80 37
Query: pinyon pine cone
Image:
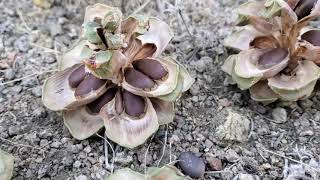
279 55
114 77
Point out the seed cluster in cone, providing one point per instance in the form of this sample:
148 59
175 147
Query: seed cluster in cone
115 77
279 55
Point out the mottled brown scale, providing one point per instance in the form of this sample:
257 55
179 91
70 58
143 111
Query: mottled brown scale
138 79
134 105
90 83
146 50
118 102
304 8
151 68
102 37
272 57
77 76
96 105
312 37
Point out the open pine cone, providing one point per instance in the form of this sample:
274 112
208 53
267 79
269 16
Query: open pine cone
279 55
115 78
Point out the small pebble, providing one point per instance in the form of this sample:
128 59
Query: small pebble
191 165
55 144
9 74
81 177
37 91
231 155
77 164
87 149
279 115
215 163
248 177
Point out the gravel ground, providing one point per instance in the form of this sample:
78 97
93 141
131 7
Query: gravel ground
214 120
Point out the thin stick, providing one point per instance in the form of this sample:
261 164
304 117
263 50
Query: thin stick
145 158
251 129
259 152
28 76
264 117
23 21
185 24
164 146
113 153
192 55
170 146
106 153
173 162
22 145
296 161
47 49
56 51
216 172
142 7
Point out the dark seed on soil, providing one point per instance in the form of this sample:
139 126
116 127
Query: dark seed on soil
191 165
96 105
215 163
77 76
272 57
304 8
134 105
151 68
90 83
119 103
138 79
312 37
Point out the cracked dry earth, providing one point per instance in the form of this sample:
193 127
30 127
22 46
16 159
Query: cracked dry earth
213 118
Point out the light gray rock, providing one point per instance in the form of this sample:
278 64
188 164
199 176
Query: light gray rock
279 115
55 144
37 91
22 44
247 177
235 128
208 143
14 130
77 164
81 177
231 155
202 63
123 158
87 149
9 74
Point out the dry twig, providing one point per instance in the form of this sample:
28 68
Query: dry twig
106 153
164 145
24 145
28 76
291 159
142 7
145 157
